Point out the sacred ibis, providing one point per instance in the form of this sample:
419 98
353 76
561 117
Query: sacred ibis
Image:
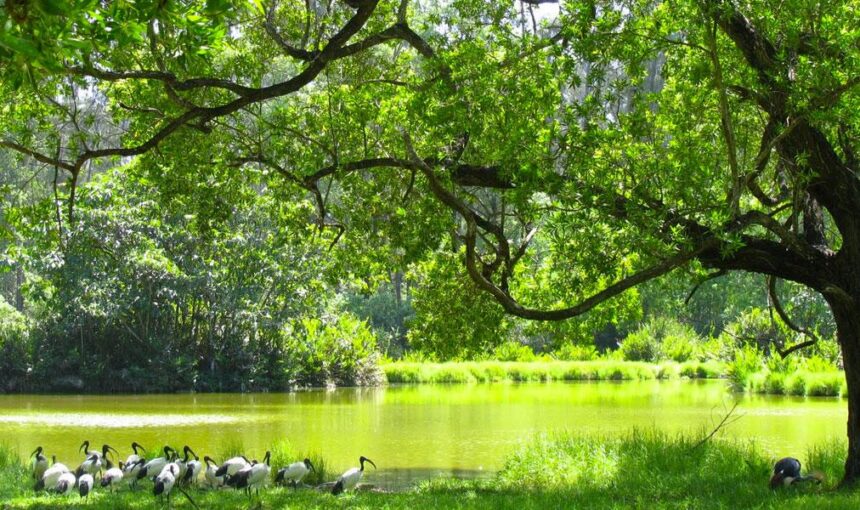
92 464
156 465
183 462
240 480
112 476
232 466
85 485
136 456
259 474
192 470
165 480
351 477
52 475
212 479
65 483
40 463
294 472
787 472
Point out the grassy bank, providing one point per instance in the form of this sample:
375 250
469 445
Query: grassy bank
497 371
799 383
644 470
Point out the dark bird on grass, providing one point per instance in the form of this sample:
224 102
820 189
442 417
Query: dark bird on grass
787 472
294 472
351 477
40 463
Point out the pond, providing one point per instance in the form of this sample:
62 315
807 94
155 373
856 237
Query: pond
411 432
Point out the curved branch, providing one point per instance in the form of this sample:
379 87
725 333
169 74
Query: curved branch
777 306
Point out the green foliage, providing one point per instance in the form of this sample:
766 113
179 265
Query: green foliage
513 351
661 338
15 358
574 352
339 352
453 318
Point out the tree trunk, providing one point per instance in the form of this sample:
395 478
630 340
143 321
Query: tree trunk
848 333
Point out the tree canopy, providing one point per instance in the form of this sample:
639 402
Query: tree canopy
567 152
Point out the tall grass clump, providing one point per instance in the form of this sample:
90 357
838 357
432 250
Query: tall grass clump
13 473
284 453
628 471
231 447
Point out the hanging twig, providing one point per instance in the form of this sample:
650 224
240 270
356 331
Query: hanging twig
727 420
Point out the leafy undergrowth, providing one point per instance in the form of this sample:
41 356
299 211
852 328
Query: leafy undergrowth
641 470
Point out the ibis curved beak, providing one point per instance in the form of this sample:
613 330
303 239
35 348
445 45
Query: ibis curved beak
84 446
192 453
371 462
36 451
311 465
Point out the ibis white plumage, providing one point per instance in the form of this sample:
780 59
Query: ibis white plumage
295 472
351 477
85 485
52 475
136 456
112 476
165 481
156 465
40 463
212 480
232 466
64 484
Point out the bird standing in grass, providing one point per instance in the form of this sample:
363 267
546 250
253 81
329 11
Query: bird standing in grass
154 466
135 457
213 480
787 472
65 483
40 463
192 469
351 477
85 485
52 475
165 481
112 476
294 473
232 466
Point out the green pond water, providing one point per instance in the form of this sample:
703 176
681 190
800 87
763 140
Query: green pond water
411 432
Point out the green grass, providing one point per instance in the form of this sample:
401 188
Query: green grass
800 383
640 470
540 371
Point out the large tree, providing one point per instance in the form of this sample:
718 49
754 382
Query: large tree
592 145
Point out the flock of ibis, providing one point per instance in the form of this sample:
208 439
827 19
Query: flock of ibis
170 470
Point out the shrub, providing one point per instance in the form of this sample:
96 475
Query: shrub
342 352
575 352
14 348
513 351
661 338
640 346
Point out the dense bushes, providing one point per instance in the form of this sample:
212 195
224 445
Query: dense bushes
14 348
661 338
